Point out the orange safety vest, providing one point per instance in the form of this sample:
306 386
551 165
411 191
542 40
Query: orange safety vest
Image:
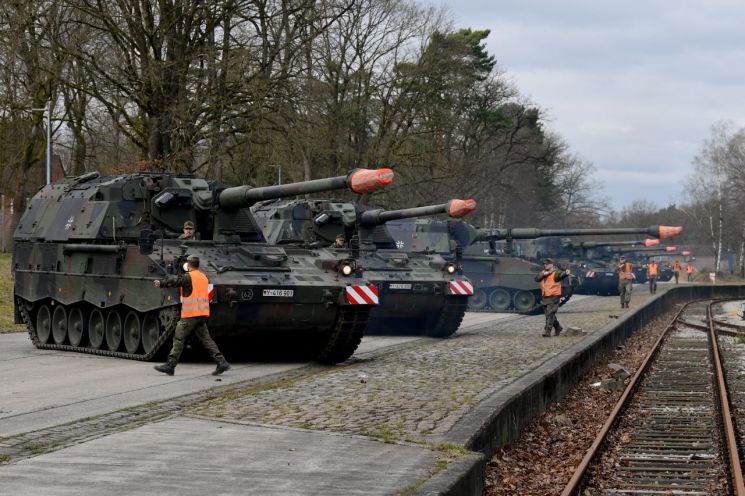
197 304
689 269
550 287
676 267
652 269
625 273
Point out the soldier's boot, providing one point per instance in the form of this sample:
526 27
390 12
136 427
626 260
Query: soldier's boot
222 366
167 368
557 331
546 333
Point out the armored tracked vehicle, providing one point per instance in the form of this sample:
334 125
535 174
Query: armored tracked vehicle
596 264
503 283
419 293
604 280
88 249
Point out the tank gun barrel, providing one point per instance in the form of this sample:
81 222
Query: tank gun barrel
600 244
662 250
361 181
660 232
454 208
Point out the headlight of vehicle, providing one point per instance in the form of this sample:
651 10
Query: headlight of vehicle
347 267
450 268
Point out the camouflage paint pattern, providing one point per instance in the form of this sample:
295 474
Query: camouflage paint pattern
414 288
503 282
92 246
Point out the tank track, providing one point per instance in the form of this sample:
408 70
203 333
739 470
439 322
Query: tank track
346 335
450 318
167 316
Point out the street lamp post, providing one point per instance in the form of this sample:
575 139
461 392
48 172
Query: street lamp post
48 111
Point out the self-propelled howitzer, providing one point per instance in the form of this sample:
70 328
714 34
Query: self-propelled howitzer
503 282
603 279
419 294
87 250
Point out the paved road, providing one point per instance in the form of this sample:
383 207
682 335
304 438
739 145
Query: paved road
41 388
309 435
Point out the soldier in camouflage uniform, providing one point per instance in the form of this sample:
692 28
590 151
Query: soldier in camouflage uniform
194 314
188 231
550 279
625 280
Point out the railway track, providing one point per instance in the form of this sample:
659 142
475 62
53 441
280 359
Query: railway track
671 433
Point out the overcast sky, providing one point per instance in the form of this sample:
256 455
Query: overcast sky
633 86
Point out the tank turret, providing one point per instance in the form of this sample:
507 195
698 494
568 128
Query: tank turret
119 208
322 221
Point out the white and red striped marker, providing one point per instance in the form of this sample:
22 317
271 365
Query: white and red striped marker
590 273
362 295
463 288
211 291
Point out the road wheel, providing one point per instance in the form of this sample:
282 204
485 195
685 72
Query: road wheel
150 332
500 300
76 326
477 301
524 300
113 330
96 329
43 324
132 332
59 324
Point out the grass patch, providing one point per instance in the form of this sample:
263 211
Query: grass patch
6 297
4 458
36 448
739 339
412 489
384 433
450 450
449 453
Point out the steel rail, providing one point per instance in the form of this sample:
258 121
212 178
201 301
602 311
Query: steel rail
740 327
730 436
573 485
577 478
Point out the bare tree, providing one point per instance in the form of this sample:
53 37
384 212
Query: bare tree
30 34
706 187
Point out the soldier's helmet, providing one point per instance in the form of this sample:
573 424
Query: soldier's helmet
548 261
188 225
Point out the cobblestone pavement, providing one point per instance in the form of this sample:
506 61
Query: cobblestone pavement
33 443
401 393
418 391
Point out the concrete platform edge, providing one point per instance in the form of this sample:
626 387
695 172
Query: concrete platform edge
465 476
498 419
